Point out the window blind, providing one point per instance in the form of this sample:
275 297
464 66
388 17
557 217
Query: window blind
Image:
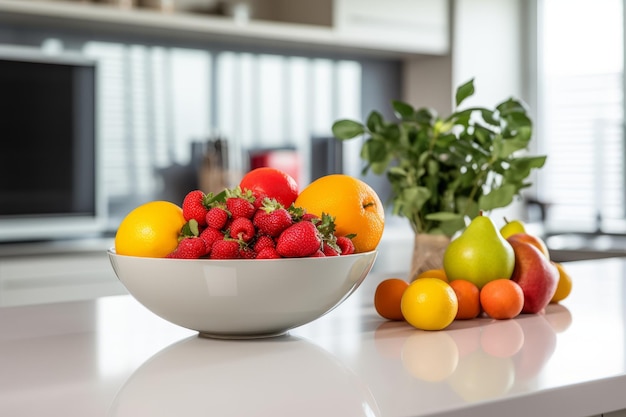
581 114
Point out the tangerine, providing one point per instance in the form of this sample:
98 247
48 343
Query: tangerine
468 296
433 273
387 298
502 299
150 230
356 207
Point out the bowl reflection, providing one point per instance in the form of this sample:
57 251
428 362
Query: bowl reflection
199 376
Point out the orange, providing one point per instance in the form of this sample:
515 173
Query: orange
564 287
468 296
387 298
502 299
356 207
433 273
429 304
150 230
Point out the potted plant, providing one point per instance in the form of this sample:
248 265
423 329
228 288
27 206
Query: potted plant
445 171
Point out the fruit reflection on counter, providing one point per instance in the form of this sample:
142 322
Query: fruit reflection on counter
476 362
492 273
264 217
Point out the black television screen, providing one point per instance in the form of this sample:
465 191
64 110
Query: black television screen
48 164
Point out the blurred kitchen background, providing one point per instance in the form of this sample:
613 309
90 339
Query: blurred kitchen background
192 93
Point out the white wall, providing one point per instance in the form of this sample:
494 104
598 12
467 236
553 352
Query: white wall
488 45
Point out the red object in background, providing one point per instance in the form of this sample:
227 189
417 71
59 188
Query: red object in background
270 182
286 160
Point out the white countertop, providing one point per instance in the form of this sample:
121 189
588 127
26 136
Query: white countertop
112 357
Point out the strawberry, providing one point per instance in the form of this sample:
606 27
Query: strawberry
310 217
216 217
299 240
210 235
239 203
271 218
194 207
318 254
345 244
296 213
240 207
258 199
268 253
262 242
246 252
242 228
189 248
225 249
329 250
326 226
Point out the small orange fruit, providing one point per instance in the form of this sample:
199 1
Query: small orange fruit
388 296
502 299
564 287
468 295
150 230
433 273
356 207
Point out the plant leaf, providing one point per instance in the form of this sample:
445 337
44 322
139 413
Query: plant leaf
500 197
443 171
403 111
375 122
464 91
347 129
443 216
374 150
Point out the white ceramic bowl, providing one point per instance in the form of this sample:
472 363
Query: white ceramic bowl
242 298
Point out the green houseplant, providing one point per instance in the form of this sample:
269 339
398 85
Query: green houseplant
444 171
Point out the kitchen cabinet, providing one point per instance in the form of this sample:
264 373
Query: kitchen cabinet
396 28
55 272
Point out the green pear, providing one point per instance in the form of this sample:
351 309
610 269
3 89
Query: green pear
480 254
512 227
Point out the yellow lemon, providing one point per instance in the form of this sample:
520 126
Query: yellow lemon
429 304
564 287
150 230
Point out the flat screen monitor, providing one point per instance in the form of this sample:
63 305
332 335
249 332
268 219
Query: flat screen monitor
49 182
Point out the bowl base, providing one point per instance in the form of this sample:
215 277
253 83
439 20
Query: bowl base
241 336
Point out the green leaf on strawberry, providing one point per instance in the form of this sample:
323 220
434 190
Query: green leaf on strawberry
189 229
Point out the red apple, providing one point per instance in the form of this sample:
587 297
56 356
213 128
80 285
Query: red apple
537 276
535 241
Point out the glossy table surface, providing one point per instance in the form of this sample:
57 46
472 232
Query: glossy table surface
112 357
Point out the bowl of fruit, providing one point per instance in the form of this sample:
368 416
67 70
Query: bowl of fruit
250 261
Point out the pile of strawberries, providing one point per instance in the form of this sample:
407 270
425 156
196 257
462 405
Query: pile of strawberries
234 224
